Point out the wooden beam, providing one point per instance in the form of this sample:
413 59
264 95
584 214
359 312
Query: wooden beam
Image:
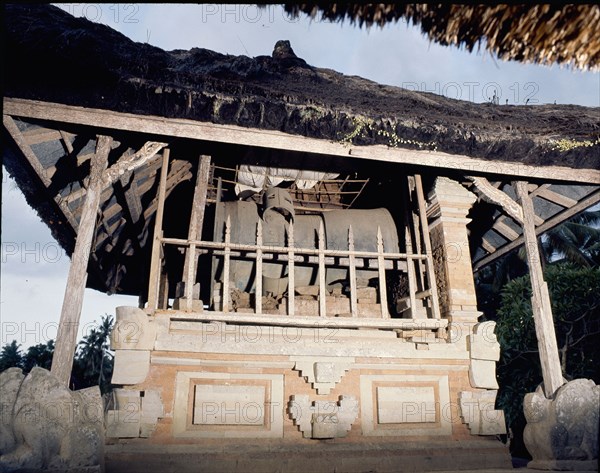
133 161
184 128
37 136
66 138
195 229
309 321
487 246
155 261
66 338
559 218
130 191
556 198
540 299
505 230
491 194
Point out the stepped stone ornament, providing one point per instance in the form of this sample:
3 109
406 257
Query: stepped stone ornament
323 419
132 413
44 426
323 373
477 411
562 433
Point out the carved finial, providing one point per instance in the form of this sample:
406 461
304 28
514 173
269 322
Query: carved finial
283 50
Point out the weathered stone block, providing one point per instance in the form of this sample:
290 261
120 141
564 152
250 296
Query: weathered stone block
131 366
181 304
483 344
152 410
482 374
478 412
133 330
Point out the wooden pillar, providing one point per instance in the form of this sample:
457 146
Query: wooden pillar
540 299
156 258
195 229
66 338
449 204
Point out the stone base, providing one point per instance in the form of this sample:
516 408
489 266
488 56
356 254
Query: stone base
562 433
564 465
323 457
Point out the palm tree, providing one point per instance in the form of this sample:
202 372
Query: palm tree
576 241
11 356
94 359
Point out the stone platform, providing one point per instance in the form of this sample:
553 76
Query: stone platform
323 457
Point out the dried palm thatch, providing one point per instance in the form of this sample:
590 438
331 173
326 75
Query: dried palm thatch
545 34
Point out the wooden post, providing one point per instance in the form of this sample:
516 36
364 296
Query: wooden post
291 269
352 274
195 230
66 338
381 271
227 256
322 288
540 299
156 258
435 304
259 270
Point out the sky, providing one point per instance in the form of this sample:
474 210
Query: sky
34 268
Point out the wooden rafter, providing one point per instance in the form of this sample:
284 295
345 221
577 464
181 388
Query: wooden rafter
556 198
491 194
35 164
583 204
506 231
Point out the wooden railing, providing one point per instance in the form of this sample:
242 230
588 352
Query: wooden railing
321 257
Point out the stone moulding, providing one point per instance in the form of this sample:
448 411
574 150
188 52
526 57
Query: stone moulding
323 419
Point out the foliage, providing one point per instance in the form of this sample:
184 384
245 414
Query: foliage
92 364
567 145
575 295
577 240
363 126
11 356
38 355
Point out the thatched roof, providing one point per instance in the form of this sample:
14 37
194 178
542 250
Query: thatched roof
52 56
545 34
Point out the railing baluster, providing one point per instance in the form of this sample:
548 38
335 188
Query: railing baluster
410 265
226 265
352 270
259 264
291 285
322 289
381 270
